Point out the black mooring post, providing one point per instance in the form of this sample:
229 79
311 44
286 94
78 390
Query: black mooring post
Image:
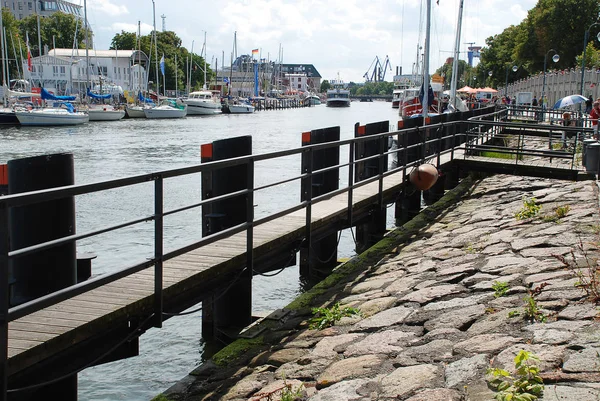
3 179
369 233
408 204
318 258
41 273
230 309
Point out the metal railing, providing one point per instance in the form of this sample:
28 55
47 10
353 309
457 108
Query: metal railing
432 141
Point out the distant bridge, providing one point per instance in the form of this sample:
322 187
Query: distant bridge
387 98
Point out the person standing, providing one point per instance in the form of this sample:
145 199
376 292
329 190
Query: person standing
588 105
594 115
534 102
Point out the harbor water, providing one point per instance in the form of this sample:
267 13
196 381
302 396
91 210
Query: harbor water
109 150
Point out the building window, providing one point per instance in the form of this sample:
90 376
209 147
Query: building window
30 5
20 16
299 86
20 6
63 70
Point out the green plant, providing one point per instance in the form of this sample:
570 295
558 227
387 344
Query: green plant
288 393
327 317
530 209
500 288
532 311
514 313
588 276
561 211
526 386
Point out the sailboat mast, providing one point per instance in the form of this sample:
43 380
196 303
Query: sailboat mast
3 62
39 34
204 46
456 55
87 45
155 50
426 99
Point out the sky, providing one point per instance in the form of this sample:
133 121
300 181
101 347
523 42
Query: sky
341 38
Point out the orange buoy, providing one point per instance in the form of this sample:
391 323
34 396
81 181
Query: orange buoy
424 176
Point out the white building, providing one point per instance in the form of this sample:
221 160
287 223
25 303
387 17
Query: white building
65 71
297 82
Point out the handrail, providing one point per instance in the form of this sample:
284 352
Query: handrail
435 140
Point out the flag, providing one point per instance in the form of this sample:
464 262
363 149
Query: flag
162 64
29 63
254 52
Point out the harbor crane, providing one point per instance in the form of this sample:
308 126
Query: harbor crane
377 70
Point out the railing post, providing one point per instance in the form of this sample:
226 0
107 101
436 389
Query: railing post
308 199
350 181
4 247
250 221
158 250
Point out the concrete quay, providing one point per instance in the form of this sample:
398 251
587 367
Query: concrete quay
431 324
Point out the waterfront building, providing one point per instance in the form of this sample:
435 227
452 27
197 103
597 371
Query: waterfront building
24 8
65 71
273 78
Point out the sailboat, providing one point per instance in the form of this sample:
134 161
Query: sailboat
136 110
100 112
7 114
203 102
168 108
236 106
62 113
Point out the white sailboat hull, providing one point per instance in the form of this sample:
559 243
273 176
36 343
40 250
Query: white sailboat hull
105 114
135 112
165 112
241 109
51 116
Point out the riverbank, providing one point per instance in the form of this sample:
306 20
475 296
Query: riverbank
441 301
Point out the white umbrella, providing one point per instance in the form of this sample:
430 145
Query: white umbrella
569 100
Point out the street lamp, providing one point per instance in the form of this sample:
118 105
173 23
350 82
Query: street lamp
555 59
514 68
490 73
585 40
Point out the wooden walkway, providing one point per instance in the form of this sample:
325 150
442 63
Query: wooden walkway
71 323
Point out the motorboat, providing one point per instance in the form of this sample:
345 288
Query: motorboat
312 100
105 113
411 103
48 116
338 97
203 103
238 108
167 109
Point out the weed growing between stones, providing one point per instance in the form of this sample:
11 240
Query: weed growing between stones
531 310
500 288
530 209
588 276
327 317
527 385
558 213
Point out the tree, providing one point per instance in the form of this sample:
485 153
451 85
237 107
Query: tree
59 30
592 56
15 43
325 85
124 40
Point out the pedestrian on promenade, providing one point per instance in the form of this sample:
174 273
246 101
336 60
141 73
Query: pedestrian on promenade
588 105
594 115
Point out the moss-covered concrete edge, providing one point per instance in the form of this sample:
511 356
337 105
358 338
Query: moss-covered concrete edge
387 245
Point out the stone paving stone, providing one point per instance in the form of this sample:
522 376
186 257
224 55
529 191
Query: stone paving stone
460 318
404 381
438 394
485 343
585 360
376 305
433 351
579 312
385 342
386 318
570 393
371 285
350 368
456 302
342 391
274 389
552 337
430 293
551 357
465 369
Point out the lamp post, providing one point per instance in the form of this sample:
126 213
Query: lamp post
514 68
585 40
490 73
555 59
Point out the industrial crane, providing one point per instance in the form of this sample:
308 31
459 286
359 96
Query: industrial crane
377 70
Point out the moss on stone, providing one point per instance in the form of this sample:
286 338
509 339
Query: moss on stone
161 397
236 349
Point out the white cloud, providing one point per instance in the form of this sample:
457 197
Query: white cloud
334 35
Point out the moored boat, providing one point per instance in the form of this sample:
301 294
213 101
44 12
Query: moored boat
105 113
168 109
48 116
202 102
238 108
312 100
338 97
